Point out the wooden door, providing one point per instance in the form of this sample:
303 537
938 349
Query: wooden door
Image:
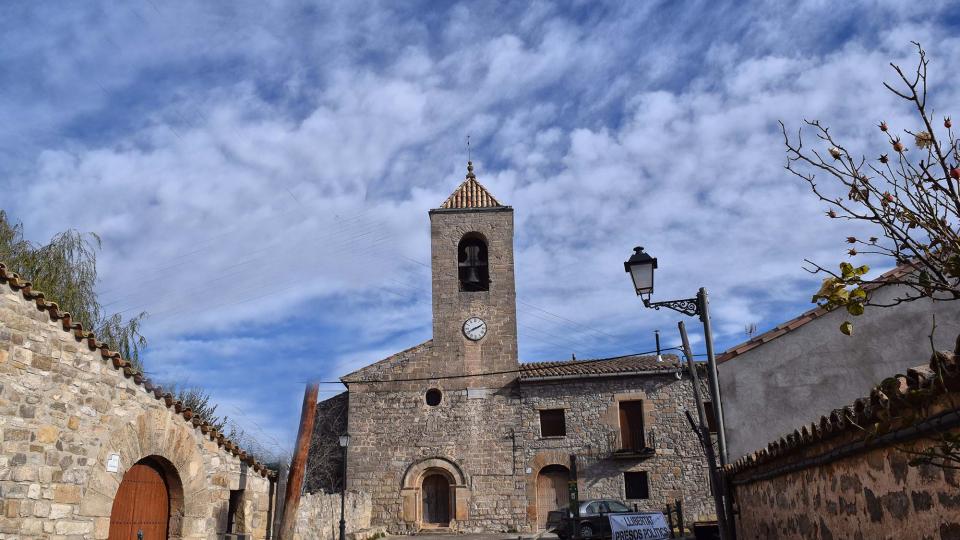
552 492
142 505
436 500
631 425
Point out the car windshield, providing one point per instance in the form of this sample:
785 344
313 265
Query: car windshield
616 506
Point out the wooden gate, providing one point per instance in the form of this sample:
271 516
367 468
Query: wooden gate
142 505
552 492
436 500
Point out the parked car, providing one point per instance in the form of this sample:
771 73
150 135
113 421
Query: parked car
593 520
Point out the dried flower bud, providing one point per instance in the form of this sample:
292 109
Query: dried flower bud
887 197
884 158
831 213
873 239
898 146
835 152
852 252
924 139
947 123
955 173
851 239
883 126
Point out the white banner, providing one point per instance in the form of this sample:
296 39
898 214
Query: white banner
640 526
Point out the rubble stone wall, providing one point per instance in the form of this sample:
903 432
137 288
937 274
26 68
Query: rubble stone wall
318 517
65 409
875 494
677 470
489 442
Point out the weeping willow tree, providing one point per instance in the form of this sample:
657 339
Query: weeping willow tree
65 269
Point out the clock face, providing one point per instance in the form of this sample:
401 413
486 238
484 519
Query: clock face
474 328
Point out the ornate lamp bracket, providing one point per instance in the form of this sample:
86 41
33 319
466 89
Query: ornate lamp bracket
687 306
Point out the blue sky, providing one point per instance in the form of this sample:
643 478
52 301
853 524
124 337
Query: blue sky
261 172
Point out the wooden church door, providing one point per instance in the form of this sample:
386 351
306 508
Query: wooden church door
436 500
141 509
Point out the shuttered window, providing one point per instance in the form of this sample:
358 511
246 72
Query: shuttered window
631 425
552 423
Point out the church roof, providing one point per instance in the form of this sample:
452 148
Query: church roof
470 194
620 365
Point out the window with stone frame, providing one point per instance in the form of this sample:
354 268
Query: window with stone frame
635 485
552 423
632 434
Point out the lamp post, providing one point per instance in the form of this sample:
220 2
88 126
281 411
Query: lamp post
641 267
344 443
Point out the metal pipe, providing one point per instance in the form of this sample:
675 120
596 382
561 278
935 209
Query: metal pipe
343 497
298 464
712 376
703 434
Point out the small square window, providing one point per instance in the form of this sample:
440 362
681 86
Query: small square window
635 485
552 423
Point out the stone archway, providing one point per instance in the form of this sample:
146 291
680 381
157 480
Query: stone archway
148 502
552 491
427 478
169 445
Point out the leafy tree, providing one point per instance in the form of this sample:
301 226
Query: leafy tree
907 196
65 270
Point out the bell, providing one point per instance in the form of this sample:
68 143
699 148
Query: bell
472 277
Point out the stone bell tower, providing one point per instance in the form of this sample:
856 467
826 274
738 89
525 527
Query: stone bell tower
474 295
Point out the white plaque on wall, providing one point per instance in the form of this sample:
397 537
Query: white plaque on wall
113 463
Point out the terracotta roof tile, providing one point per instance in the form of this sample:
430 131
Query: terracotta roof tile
881 406
470 194
117 362
621 364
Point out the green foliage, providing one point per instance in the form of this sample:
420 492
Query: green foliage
65 270
844 290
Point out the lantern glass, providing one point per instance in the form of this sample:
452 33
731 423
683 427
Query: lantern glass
345 440
641 267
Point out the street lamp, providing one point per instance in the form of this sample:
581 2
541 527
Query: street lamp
641 267
344 443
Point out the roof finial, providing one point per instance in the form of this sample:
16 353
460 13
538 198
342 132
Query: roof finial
469 161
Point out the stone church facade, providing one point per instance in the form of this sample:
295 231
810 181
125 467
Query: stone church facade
457 433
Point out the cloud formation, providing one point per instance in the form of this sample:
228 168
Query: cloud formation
261 173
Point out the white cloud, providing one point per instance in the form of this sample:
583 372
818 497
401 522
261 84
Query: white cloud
283 191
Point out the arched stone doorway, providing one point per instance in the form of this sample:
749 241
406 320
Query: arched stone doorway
552 491
436 500
422 492
148 502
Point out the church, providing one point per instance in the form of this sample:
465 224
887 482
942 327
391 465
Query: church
456 433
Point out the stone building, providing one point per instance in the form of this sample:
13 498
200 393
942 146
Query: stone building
456 433
850 473
92 449
805 367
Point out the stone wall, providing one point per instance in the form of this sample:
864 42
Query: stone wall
67 405
318 517
871 495
849 475
488 440
676 471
